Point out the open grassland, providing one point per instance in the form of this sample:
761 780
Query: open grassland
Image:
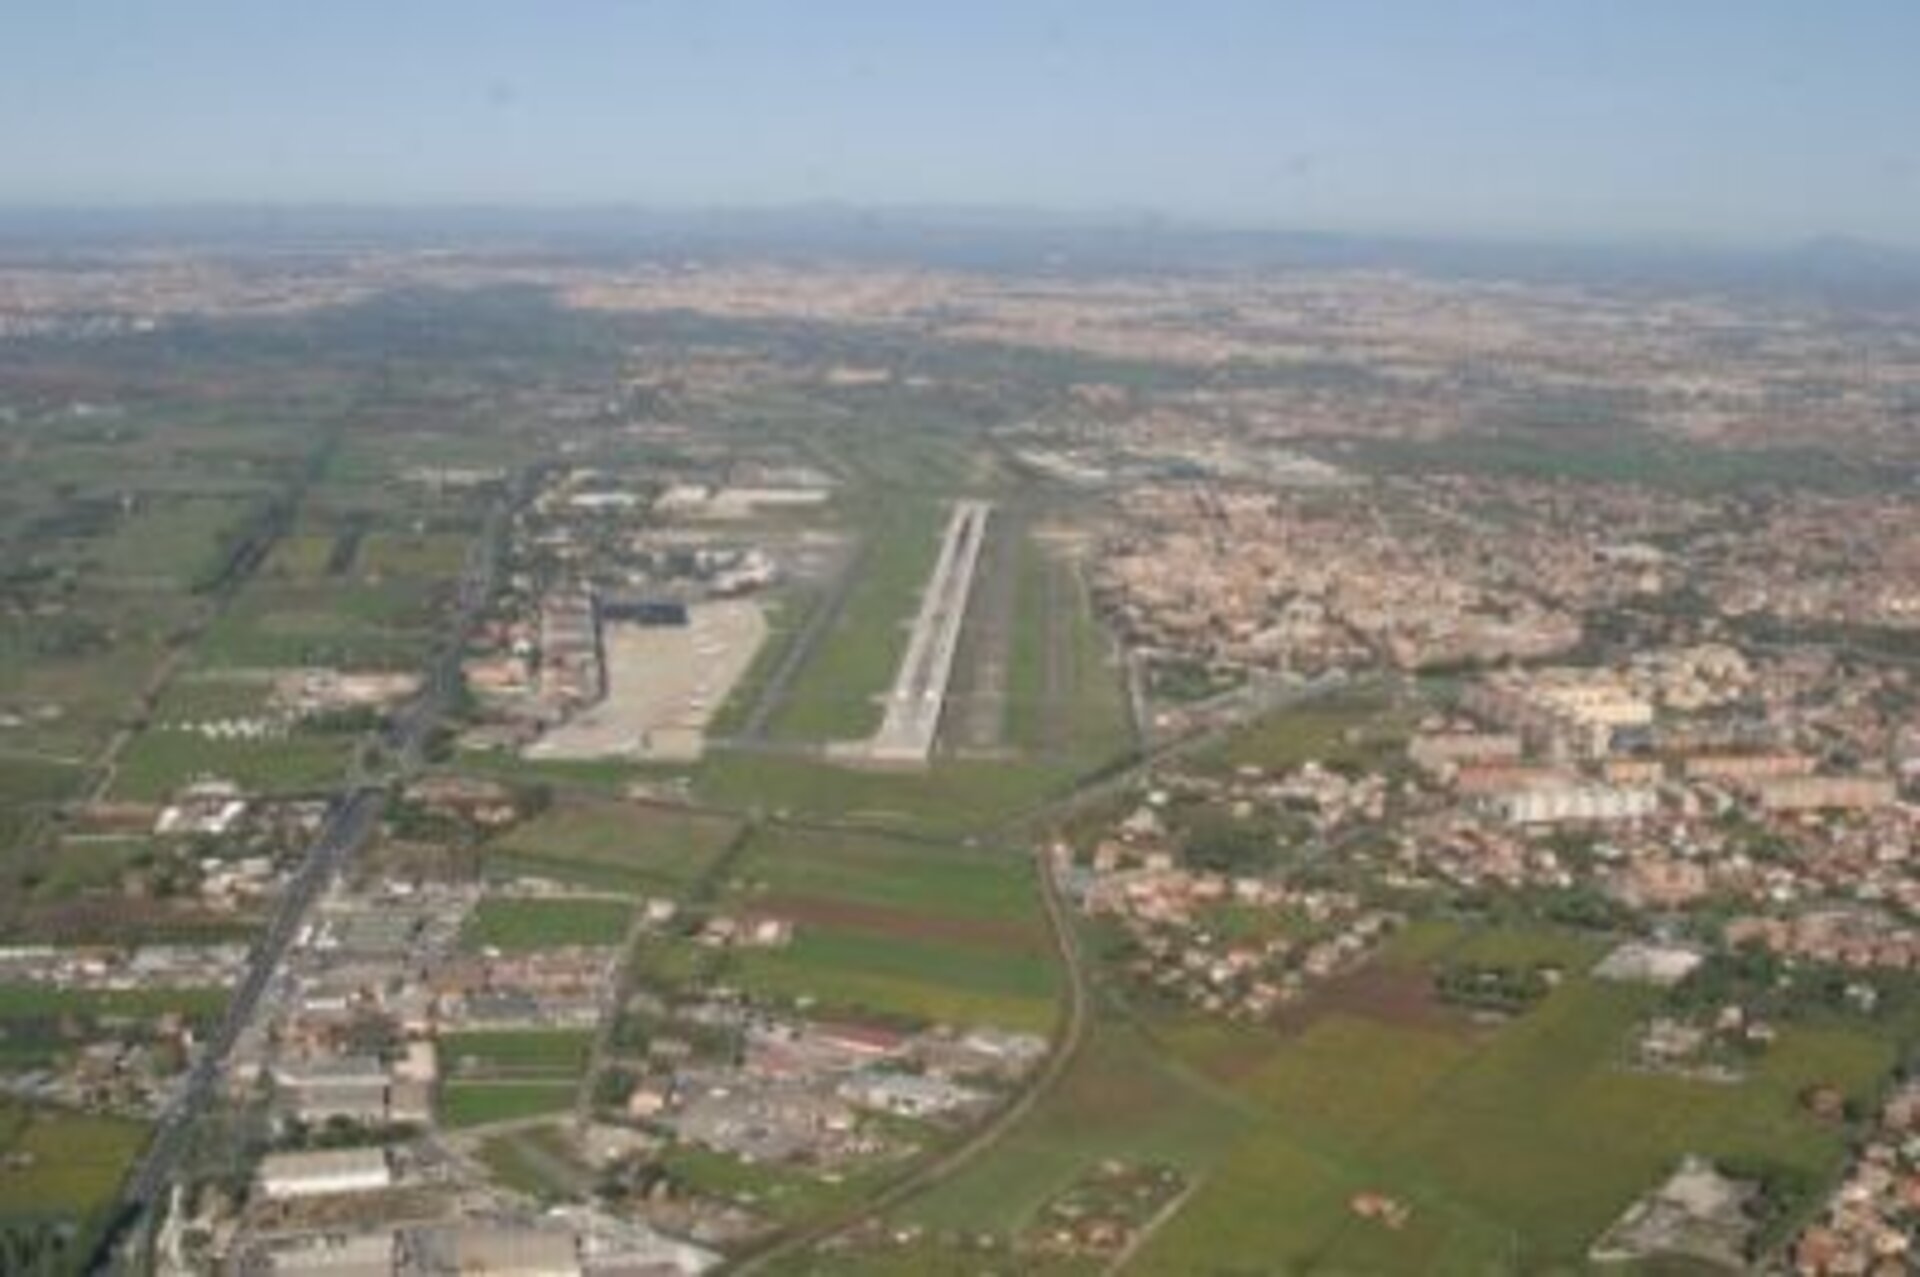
1514 1145
172 543
851 973
1120 1099
954 796
614 845
35 1000
464 1104
1066 700
520 925
517 1052
344 623
938 881
537 1161
1356 726
837 693
159 761
895 928
62 1166
94 863
787 1195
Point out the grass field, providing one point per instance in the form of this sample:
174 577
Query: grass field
955 796
57 1166
614 845
524 924
538 1162
464 1104
517 1052
339 622
836 693
1515 1146
1065 696
1121 1098
159 762
939 983
1357 726
897 928
19 1001
944 880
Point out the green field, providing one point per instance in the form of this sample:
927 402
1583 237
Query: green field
943 879
26 1000
1356 727
335 622
1514 1145
58 1167
464 1104
1065 697
160 762
955 796
523 924
1121 1098
918 980
538 1162
836 695
897 928
517 1052
615 846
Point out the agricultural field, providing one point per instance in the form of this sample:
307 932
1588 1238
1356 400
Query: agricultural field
519 924
1121 1098
467 1104
1473 1126
614 846
954 797
161 761
894 929
537 1161
59 1168
516 1053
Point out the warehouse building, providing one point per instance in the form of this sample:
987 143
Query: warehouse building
284 1176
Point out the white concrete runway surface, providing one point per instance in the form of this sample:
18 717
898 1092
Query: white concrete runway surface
919 691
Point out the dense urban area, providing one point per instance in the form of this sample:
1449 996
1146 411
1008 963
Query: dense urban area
552 763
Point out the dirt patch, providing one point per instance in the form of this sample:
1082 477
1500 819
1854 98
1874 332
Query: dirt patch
852 915
1399 995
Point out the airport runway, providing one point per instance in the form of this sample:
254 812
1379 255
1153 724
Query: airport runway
920 688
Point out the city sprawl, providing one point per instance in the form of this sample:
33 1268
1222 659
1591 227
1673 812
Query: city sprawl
602 763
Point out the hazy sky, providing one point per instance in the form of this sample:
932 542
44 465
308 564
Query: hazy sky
1749 119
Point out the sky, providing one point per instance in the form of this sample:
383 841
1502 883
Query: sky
1746 121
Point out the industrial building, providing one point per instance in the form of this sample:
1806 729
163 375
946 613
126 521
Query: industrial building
284 1176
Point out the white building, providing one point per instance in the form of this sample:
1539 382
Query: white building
1559 804
318 1174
